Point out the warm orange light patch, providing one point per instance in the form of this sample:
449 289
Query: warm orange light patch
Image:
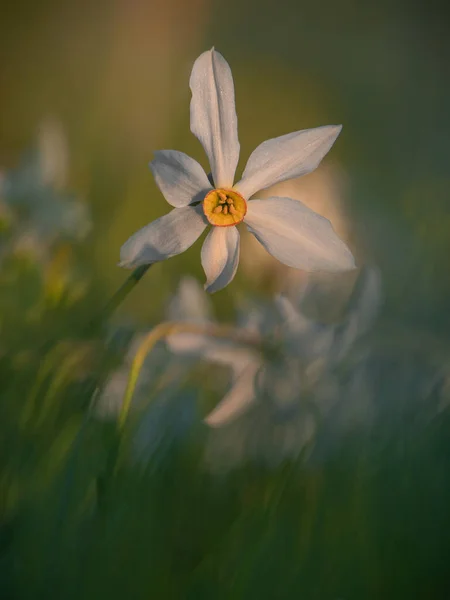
223 207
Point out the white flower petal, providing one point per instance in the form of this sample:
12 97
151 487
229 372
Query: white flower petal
191 344
180 178
297 236
229 354
286 157
366 298
168 236
211 349
294 321
362 311
190 303
305 339
238 400
220 257
213 115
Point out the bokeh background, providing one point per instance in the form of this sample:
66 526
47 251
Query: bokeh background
371 521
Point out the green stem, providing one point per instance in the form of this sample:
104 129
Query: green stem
116 300
125 289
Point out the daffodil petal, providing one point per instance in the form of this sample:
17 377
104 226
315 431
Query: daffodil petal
213 115
230 354
297 236
180 178
168 236
220 257
238 400
190 303
362 311
286 157
209 349
294 321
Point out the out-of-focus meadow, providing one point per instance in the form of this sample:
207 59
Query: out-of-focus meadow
336 484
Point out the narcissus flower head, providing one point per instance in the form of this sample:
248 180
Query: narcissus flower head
289 230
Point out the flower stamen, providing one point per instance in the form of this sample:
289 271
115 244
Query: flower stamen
224 208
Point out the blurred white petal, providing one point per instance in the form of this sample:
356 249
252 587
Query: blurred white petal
180 178
238 400
211 349
293 319
168 236
194 344
297 236
232 355
286 157
304 338
366 298
189 303
363 308
220 257
213 115
54 154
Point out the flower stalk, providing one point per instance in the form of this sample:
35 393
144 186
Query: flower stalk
125 289
119 296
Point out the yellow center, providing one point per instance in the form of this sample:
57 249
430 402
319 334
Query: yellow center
224 207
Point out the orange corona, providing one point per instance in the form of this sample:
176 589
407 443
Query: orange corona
224 208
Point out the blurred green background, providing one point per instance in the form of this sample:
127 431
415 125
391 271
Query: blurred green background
371 522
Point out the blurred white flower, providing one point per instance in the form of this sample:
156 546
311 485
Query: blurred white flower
298 356
190 304
288 229
299 404
32 192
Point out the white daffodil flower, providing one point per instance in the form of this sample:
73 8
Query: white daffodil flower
33 193
191 305
309 350
289 230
